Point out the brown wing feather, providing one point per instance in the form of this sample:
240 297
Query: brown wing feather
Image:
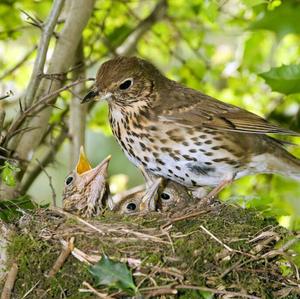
191 108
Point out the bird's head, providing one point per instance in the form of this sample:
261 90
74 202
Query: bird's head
85 187
125 80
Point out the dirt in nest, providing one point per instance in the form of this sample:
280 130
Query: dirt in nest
226 250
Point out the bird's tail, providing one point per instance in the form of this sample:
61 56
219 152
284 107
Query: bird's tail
285 164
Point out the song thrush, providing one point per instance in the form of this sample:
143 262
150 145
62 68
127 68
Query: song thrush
85 187
138 200
184 135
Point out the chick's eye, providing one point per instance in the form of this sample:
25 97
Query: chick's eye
126 84
69 180
131 206
165 196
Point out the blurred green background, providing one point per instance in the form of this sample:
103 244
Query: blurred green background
218 47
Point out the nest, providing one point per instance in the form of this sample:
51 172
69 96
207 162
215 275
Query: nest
225 250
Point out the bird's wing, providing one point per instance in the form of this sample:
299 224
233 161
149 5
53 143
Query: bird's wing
191 108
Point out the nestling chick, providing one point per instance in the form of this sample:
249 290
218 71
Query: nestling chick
85 187
138 200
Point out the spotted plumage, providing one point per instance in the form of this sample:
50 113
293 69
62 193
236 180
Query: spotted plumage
203 141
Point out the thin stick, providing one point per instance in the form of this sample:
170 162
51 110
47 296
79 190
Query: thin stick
19 64
215 291
94 291
10 282
62 257
37 107
159 292
185 217
31 289
81 256
216 239
112 230
79 219
50 183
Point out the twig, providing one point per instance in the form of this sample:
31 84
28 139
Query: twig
2 118
81 256
44 161
159 292
129 44
215 238
124 230
18 64
90 289
185 217
78 219
37 107
30 290
39 63
50 183
10 282
66 251
215 291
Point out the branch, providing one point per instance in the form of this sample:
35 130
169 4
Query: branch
36 108
38 67
77 120
62 58
129 45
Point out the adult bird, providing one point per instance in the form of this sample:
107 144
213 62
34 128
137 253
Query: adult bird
184 135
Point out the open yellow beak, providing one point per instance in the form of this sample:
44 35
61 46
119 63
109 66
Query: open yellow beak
83 164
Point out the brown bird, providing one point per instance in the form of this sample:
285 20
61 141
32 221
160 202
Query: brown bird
184 135
138 200
85 187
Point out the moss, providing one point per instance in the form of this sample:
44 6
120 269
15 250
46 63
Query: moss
35 258
192 252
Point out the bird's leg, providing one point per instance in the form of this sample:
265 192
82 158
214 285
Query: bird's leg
206 199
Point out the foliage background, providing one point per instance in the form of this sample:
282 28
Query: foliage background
218 47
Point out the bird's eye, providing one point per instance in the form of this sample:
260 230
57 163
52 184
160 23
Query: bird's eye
69 180
131 206
164 196
126 84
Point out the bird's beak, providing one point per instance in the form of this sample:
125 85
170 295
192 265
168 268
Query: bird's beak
94 92
99 173
83 164
148 202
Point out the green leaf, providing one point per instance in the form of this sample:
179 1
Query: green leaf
113 275
8 173
281 20
12 209
284 79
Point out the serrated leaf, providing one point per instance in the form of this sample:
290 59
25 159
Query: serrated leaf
113 275
284 79
282 20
